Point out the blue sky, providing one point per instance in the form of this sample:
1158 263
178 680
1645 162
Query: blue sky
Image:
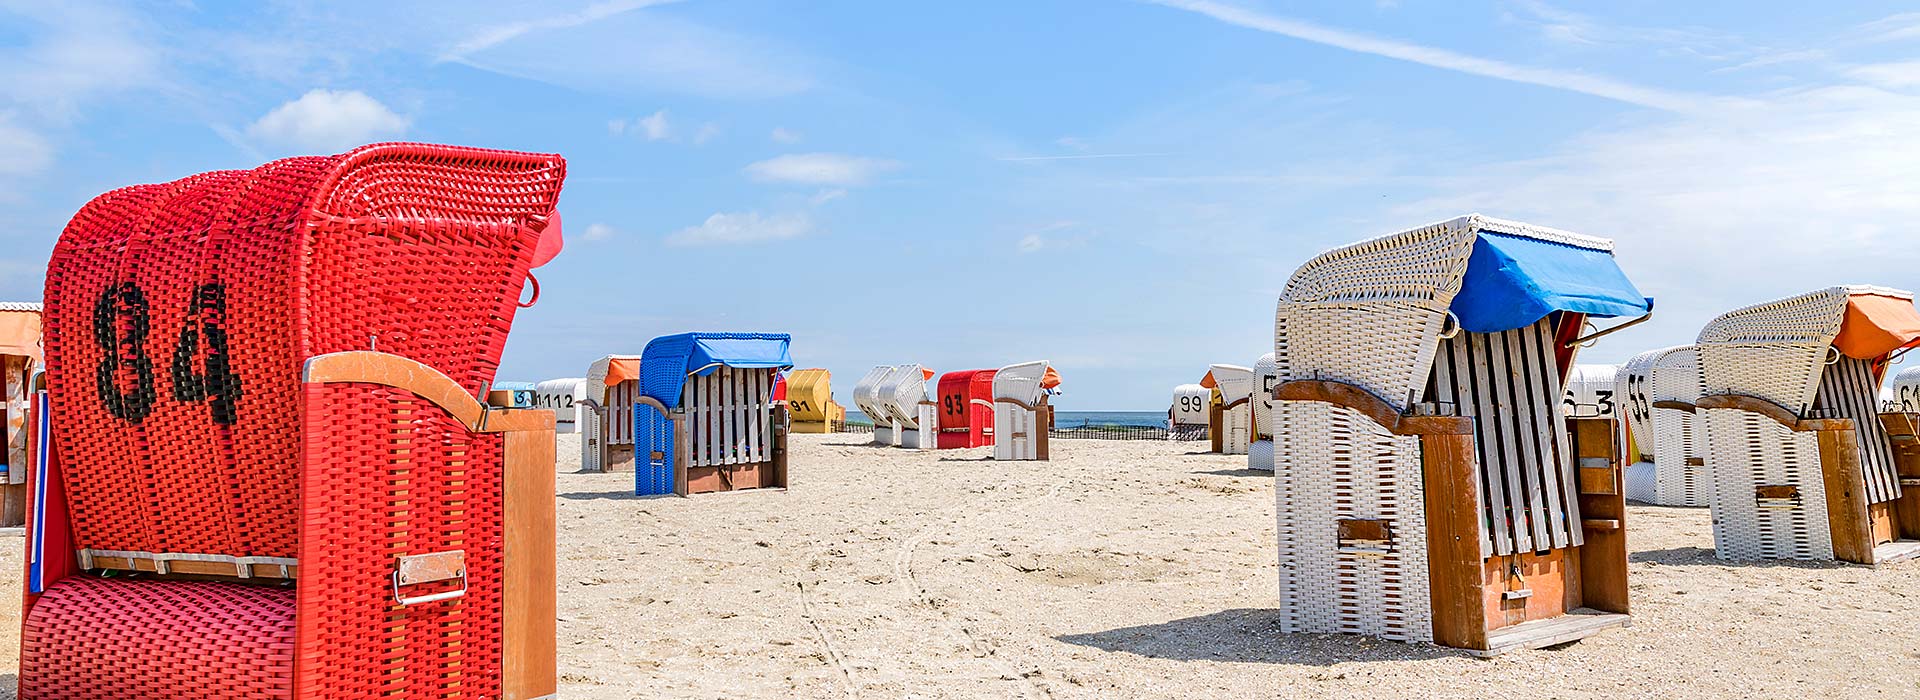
1121 187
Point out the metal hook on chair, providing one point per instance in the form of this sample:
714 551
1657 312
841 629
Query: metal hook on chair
1833 356
1452 321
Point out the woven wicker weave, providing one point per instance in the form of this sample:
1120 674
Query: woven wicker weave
1779 351
1236 385
866 397
1905 390
179 316
1266 376
1372 315
1016 429
1672 472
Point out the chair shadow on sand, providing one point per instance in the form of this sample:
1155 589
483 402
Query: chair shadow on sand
627 495
1702 556
1236 472
1250 635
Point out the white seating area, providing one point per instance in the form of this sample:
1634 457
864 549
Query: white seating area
1021 416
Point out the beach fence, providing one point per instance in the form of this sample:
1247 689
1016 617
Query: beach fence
234 498
1803 462
1432 487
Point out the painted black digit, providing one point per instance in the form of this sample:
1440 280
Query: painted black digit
121 320
1606 401
218 386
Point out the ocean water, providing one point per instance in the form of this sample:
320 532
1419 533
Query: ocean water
1074 419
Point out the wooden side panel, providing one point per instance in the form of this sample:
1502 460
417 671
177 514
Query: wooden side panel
1847 516
1602 564
1216 424
1903 430
1043 427
1453 540
529 588
1849 388
1529 586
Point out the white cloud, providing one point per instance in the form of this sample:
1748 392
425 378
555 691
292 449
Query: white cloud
490 37
22 152
1032 243
708 132
1814 187
598 232
1902 74
820 169
742 227
328 120
782 134
1898 27
75 51
654 126
827 195
1573 81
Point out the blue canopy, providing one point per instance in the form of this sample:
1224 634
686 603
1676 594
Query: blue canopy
1514 281
670 359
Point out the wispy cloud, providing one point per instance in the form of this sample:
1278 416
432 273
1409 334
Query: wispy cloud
328 120
598 232
1082 156
22 152
783 134
1573 81
836 169
496 35
1897 75
1904 26
741 228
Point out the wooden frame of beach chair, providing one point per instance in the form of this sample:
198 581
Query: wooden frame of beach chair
706 420
325 510
866 397
810 402
1803 461
564 397
1192 412
606 436
1232 421
965 409
1431 488
910 407
1658 388
19 360
1266 376
1022 418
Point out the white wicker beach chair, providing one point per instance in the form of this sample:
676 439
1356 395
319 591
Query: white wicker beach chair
1903 393
1657 390
1235 384
563 397
1191 406
1022 418
606 439
866 396
1802 465
1425 474
1266 376
915 415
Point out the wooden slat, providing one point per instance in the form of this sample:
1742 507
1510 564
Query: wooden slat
1848 387
1453 559
1453 367
729 431
528 586
1563 460
1847 514
1497 450
1535 414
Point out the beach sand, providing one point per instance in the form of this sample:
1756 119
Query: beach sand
1118 570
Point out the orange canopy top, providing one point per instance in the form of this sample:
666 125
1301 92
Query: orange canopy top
926 374
20 333
1208 382
1050 380
623 370
1877 324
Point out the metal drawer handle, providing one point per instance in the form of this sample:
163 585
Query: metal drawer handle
428 568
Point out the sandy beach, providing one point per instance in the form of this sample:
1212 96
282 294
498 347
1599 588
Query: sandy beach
1119 570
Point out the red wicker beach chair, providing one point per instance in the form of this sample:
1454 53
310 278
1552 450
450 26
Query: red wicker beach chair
277 481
